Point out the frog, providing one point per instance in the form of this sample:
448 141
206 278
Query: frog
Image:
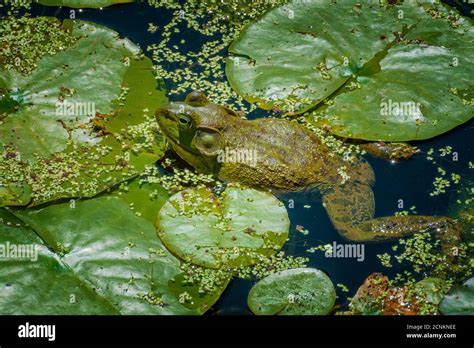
281 155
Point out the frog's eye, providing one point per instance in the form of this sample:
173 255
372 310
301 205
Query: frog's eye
184 120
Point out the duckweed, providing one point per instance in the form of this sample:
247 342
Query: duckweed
24 40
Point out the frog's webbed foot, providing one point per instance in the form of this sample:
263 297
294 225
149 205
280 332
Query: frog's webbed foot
389 151
351 210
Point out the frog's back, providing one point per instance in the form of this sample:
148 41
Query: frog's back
289 156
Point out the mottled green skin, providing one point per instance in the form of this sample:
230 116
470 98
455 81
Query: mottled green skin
289 158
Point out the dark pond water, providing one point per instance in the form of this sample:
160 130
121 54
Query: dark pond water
410 181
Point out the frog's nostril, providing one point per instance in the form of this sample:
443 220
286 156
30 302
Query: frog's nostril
162 112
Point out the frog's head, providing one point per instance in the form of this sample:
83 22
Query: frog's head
194 127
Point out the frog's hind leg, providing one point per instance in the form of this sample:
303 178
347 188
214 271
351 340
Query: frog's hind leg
351 210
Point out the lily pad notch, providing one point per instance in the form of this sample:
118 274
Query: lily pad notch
366 71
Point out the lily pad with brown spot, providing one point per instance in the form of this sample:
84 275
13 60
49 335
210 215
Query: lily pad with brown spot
46 153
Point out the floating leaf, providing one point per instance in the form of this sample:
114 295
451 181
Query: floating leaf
13 193
368 300
223 232
433 289
38 282
105 247
389 72
83 3
298 291
459 300
196 297
60 94
114 143
145 198
376 296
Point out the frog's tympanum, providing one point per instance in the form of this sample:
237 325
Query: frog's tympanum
285 156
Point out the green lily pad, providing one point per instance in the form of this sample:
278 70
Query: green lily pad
90 154
13 193
146 199
38 282
192 294
7 105
83 3
25 40
433 288
223 232
393 72
298 291
60 94
459 300
102 245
